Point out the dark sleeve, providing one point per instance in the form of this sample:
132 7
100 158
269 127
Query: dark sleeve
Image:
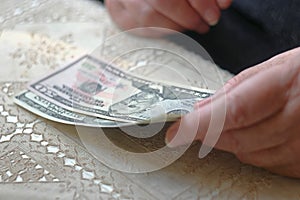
252 31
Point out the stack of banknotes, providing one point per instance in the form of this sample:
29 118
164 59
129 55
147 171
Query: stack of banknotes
91 92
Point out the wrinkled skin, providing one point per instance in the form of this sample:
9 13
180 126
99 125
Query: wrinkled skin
178 15
262 126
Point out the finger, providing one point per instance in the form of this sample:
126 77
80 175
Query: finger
183 131
146 16
249 102
207 9
290 170
120 14
194 125
268 133
236 80
273 157
245 104
223 4
264 135
125 13
278 60
181 13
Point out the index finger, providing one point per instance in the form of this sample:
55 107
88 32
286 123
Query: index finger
181 12
251 101
208 9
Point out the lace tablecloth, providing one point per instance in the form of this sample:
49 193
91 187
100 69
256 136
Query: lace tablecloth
44 160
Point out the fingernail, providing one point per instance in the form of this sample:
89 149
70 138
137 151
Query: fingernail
223 3
170 135
211 17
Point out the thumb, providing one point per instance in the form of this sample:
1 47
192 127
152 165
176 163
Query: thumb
242 76
245 103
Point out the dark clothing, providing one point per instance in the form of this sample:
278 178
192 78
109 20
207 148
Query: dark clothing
251 31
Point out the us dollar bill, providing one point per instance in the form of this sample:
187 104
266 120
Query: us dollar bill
42 107
93 87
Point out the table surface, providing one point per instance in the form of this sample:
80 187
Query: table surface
40 159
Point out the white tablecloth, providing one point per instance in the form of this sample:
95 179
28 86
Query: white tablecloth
40 159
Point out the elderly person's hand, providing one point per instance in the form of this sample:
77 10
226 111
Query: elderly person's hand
178 15
262 121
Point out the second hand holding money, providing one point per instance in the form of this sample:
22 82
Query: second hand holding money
261 124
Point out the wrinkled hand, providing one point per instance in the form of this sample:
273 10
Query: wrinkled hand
262 120
177 15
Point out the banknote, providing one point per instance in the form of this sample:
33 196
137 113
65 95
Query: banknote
96 88
50 111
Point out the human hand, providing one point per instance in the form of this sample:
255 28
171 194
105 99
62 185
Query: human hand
261 122
178 15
